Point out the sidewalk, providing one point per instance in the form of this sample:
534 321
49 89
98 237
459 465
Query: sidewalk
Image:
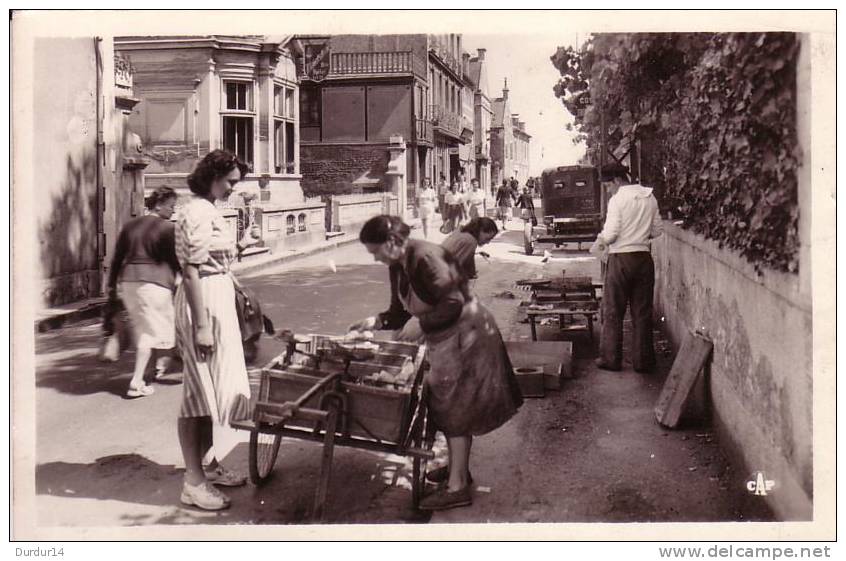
593 451
59 316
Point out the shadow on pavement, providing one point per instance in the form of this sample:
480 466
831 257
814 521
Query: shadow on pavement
122 477
366 487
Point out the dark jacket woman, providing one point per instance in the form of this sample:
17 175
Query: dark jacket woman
471 387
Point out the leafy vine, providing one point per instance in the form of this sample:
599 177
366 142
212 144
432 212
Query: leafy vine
715 115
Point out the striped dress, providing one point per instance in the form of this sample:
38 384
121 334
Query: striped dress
217 387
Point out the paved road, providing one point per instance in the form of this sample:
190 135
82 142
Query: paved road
591 452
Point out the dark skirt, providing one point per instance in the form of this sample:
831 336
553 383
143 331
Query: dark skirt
471 385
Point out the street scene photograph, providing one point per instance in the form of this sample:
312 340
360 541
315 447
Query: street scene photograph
459 275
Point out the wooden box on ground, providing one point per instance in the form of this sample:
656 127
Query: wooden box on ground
530 379
554 357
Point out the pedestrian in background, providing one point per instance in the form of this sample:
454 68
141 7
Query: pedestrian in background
525 202
426 199
453 204
504 201
143 276
216 387
443 188
471 386
632 220
475 200
464 243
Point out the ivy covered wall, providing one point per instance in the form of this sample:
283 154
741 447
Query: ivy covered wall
718 114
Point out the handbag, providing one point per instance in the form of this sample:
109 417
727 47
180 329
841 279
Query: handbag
117 333
251 320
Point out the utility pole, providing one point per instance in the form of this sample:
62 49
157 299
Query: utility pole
602 138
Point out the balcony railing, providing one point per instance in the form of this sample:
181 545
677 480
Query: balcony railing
443 53
445 120
396 62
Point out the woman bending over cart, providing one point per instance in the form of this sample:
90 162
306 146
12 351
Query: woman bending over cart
471 385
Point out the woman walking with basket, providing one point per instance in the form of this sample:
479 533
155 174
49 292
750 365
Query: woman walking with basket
216 387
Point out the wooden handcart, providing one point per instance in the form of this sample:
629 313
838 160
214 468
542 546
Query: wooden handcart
324 392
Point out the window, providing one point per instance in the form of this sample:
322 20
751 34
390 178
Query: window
301 222
310 107
238 116
290 224
284 143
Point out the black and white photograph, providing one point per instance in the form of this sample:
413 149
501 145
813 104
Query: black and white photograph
471 274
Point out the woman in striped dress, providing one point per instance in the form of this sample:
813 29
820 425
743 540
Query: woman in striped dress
216 387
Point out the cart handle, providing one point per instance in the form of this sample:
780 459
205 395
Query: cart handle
289 409
316 388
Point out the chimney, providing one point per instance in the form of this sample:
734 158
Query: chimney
481 53
505 90
465 63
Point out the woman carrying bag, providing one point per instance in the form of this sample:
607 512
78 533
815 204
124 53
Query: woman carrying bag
215 387
143 276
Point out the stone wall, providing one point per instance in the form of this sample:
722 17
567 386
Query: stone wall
761 373
62 181
289 227
348 213
343 169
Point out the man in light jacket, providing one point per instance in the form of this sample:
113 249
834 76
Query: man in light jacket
631 222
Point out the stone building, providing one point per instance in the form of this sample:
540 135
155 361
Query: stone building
359 91
482 118
509 142
451 113
239 93
77 168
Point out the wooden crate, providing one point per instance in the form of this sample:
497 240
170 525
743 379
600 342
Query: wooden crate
373 412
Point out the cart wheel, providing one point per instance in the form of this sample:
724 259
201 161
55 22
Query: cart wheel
528 243
424 439
264 447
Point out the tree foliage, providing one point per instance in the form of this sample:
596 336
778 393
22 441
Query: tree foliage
718 114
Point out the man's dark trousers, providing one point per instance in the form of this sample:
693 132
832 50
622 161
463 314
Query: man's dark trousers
629 279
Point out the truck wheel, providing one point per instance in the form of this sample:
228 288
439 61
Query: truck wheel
528 243
530 248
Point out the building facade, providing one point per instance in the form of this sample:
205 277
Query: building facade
450 108
361 94
509 142
84 181
520 155
357 92
238 93
482 118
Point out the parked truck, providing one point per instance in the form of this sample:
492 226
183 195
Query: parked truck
572 207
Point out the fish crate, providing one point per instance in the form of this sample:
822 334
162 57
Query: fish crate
372 410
